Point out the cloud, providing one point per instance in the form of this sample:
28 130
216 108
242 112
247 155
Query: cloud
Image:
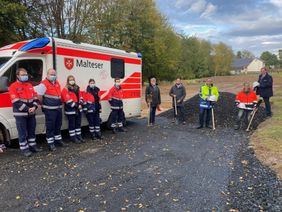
277 3
198 6
210 10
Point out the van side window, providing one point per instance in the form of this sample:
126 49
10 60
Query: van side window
117 68
34 68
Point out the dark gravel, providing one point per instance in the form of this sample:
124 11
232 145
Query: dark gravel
165 168
225 111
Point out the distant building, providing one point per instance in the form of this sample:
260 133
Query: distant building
246 65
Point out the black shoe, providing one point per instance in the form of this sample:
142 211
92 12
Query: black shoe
99 135
184 122
27 153
80 139
209 127
76 141
60 144
121 129
35 149
114 130
52 147
200 127
237 127
93 137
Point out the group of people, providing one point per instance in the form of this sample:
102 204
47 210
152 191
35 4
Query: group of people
246 100
49 94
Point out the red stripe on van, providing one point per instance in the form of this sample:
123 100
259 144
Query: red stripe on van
5 100
136 74
133 80
131 86
92 55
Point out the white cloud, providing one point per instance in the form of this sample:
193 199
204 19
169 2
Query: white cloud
210 10
199 6
182 3
277 3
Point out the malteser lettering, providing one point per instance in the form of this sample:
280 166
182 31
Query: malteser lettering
88 64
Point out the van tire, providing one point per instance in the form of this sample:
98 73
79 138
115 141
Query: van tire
4 136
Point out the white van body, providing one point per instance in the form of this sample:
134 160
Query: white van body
83 61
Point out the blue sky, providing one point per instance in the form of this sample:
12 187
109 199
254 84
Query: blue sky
254 25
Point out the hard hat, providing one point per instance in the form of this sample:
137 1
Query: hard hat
256 84
212 98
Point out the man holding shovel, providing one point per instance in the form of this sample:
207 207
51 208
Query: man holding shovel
246 102
178 94
208 96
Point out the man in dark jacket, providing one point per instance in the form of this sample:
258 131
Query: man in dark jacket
264 89
178 94
153 99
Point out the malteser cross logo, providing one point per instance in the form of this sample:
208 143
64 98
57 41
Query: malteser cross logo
69 63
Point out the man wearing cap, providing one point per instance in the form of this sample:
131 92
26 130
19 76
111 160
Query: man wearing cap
208 96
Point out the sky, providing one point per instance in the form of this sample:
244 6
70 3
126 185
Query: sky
254 25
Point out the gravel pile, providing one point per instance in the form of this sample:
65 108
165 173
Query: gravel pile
225 111
253 187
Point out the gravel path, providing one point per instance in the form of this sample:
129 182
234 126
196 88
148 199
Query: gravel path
165 168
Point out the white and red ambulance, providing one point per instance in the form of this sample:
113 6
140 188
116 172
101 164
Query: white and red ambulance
83 61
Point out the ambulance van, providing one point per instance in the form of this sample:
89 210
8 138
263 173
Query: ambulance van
83 61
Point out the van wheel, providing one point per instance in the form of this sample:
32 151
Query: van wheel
4 136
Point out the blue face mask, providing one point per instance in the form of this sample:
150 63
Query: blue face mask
92 85
52 78
23 78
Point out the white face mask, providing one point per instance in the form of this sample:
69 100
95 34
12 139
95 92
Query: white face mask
92 85
117 84
71 82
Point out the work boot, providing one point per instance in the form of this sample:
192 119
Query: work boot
114 130
93 136
184 122
75 140
209 127
26 153
236 127
52 147
60 143
200 127
99 135
121 129
35 149
80 139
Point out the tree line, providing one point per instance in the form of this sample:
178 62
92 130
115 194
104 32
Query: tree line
132 25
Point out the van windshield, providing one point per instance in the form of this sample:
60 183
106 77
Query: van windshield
4 60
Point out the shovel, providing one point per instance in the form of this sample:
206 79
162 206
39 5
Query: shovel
253 115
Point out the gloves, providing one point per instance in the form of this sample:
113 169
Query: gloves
255 85
241 106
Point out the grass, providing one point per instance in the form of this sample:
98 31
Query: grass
267 140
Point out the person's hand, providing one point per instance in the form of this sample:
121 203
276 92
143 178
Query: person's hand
148 105
31 110
178 101
79 107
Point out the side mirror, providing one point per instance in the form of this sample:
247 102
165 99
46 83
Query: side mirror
4 84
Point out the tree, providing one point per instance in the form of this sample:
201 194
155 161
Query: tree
247 54
239 55
269 59
222 59
12 21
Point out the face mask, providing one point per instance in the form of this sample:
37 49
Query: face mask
117 84
92 85
23 78
71 82
52 78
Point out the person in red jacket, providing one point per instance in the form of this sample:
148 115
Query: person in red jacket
49 93
115 100
246 102
73 102
25 103
92 109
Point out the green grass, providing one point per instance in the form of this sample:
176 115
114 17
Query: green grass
267 140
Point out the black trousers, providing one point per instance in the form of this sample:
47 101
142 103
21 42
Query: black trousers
267 106
152 114
205 113
180 113
53 121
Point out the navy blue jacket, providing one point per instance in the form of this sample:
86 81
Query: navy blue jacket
266 86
